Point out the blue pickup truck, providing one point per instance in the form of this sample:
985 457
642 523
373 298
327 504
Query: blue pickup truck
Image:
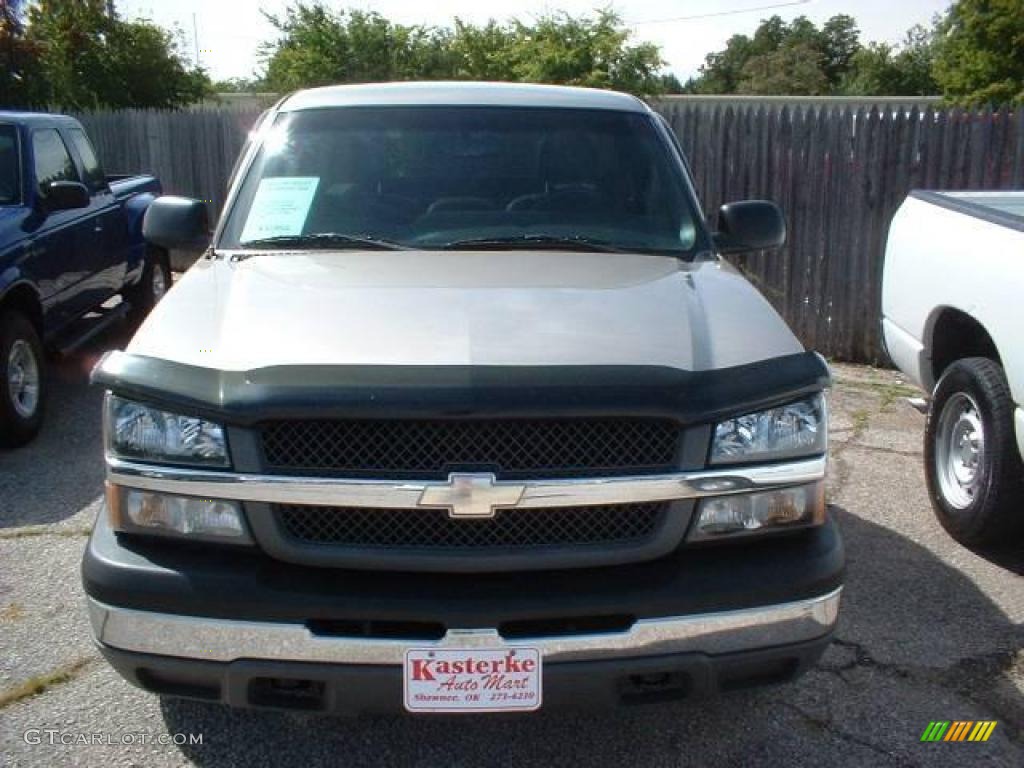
70 240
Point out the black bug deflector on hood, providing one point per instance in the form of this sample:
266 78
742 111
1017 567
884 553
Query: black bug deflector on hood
340 391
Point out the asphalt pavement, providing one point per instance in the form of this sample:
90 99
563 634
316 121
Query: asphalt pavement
929 631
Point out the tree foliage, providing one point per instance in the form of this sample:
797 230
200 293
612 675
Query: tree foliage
239 85
318 46
797 58
795 68
972 55
980 52
20 81
78 54
904 70
593 52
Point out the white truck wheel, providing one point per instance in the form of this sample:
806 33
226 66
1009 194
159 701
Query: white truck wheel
974 471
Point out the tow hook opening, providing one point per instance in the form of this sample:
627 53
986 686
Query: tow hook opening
287 693
655 687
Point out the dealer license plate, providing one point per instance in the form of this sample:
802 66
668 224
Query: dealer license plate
472 680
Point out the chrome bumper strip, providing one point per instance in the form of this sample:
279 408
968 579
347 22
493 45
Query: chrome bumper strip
226 640
406 494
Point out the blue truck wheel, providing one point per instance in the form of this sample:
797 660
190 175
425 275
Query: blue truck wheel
23 380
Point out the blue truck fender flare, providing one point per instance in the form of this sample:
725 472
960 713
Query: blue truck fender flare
135 209
11 280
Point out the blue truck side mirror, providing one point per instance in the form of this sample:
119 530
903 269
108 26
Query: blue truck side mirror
65 195
180 223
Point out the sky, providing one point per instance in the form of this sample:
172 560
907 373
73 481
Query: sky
230 31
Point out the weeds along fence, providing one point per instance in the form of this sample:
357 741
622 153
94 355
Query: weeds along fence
838 173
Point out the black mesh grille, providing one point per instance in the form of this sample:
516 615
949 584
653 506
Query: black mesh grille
523 448
434 529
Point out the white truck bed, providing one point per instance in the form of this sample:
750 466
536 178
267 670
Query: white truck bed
1004 208
956 252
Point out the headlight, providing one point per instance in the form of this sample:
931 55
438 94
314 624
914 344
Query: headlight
747 513
788 431
137 511
137 431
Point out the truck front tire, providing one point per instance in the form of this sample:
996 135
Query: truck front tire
23 380
156 281
972 465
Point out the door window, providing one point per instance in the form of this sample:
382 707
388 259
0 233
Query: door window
52 161
10 191
91 170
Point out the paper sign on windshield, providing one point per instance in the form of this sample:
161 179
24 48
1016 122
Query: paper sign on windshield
280 207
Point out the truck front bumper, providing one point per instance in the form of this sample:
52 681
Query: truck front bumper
241 628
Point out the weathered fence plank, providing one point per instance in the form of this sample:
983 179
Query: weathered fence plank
838 175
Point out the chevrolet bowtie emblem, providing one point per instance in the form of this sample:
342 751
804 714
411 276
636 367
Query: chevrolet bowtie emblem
471 495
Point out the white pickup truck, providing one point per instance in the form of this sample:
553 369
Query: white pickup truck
952 318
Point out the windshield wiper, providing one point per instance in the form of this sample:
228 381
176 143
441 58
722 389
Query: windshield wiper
324 240
553 242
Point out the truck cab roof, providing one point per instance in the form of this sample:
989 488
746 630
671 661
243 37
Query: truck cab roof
460 94
36 119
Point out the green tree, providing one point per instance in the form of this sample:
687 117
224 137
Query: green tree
318 46
150 70
840 43
19 71
594 52
771 34
980 52
482 53
239 85
671 84
796 68
881 69
88 58
722 70
780 58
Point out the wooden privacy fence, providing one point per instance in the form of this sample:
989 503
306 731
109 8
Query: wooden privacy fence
192 151
839 175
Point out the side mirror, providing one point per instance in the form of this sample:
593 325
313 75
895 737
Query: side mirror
65 195
750 225
177 222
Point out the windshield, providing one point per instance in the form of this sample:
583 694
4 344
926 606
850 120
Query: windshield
445 177
9 192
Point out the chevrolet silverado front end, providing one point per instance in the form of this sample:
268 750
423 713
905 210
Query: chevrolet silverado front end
462 412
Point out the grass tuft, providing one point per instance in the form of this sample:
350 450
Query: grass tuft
43 530
42 683
12 612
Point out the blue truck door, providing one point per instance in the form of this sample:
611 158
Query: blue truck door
109 255
66 245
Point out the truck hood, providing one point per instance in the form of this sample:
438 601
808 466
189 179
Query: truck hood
434 308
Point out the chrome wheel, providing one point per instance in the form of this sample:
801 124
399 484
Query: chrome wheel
23 379
960 450
158 283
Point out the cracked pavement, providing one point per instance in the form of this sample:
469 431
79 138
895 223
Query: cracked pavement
928 631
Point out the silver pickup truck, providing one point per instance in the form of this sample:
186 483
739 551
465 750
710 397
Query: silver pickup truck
461 410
